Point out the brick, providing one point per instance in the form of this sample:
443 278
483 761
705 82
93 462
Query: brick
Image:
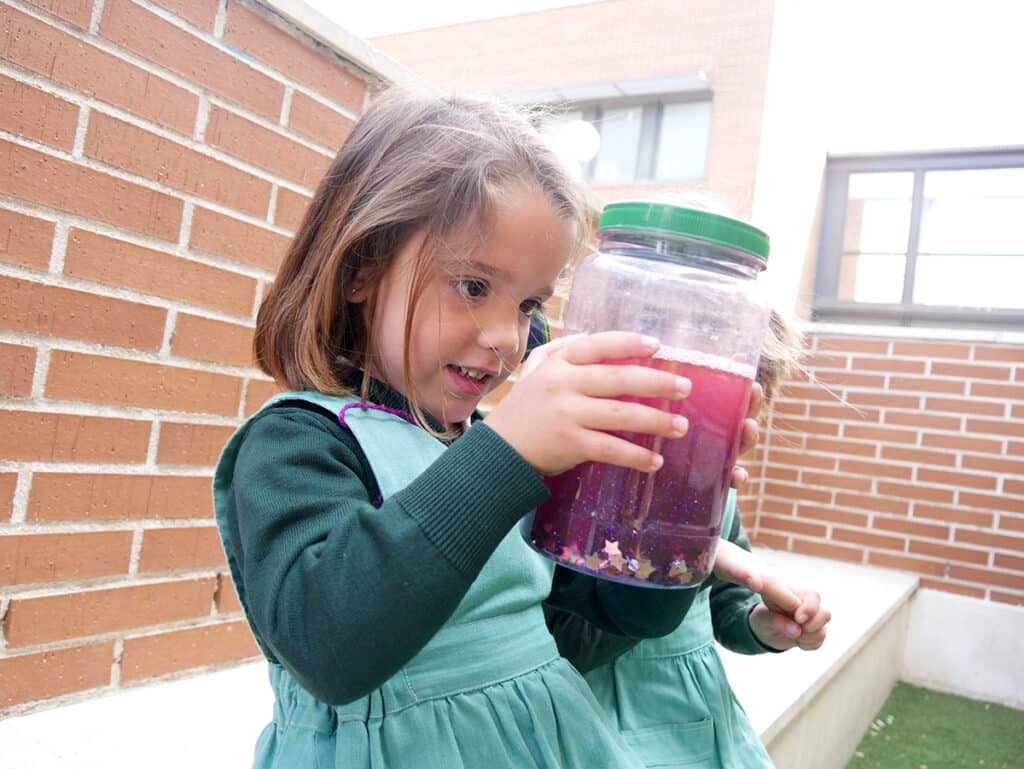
17 364
918 349
828 550
83 496
1014 599
45 50
198 13
845 379
1008 392
44 675
890 365
37 115
1017 411
171 652
226 598
85 613
990 540
868 539
239 241
836 481
907 563
147 154
918 456
949 552
922 420
802 393
851 345
78 12
915 492
879 434
843 412
63 313
181 549
913 528
189 444
125 265
962 443
27 559
301 60
1012 562
844 517
777 506
951 478
1013 447
951 587
965 406
1006 522
25 240
33 436
8 482
212 340
991 502
69 187
159 41
841 447
801 459
1014 354
257 393
884 400
774 541
291 207
793 525
952 514
995 427
97 379
800 409
818 360
779 473
1013 486
873 503
972 371
928 384
988 577
265 148
809 426
875 469
794 491
993 465
318 122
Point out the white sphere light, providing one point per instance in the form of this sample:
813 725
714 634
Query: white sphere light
579 140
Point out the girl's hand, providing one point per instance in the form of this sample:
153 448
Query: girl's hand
563 407
750 433
780 625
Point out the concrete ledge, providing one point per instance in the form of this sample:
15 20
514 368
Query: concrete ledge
811 708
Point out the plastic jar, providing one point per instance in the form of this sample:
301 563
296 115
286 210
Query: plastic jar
687 277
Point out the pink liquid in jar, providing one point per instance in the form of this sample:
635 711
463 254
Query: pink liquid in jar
655 529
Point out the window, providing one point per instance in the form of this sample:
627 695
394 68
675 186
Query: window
925 239
654 141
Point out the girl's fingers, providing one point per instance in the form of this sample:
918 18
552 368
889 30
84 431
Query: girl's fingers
585 349
780 598
736 565
739 477
818 621
604 447
615 380
756 401
627 417
749 436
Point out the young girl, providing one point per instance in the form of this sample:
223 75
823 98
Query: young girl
669 696
378 566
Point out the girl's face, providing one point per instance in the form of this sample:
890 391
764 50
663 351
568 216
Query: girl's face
471 322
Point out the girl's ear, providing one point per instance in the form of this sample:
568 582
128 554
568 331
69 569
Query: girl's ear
359 291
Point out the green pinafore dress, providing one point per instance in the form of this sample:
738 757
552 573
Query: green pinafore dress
672 702
489 690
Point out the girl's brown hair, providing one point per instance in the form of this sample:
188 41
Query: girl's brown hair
412 165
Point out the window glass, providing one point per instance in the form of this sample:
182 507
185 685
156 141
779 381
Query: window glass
976 211
620 144
683 141
969 280
875 278
878 212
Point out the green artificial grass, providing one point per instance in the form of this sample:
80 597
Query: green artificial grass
922 729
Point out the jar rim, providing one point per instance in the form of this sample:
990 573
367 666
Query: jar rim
690 223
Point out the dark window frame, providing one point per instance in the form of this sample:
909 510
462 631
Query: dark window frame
828 308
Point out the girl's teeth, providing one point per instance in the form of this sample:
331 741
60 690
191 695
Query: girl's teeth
471 374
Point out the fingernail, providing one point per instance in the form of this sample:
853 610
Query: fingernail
792 631
683 386
679 426
651 342
657 462
801 617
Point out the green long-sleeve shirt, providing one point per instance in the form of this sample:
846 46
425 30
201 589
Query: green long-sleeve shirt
344 588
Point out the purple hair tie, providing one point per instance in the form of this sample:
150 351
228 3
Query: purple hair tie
376 407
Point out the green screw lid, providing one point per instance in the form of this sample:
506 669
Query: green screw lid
687 223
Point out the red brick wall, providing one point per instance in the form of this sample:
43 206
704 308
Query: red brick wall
902 453
154 160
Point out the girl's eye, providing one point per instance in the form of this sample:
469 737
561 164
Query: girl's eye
470 288
531 307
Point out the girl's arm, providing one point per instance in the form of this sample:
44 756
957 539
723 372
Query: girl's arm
344 593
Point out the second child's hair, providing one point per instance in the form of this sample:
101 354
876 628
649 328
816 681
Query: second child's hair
780 354
413 166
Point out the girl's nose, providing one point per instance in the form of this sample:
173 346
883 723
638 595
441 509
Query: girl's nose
503 332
